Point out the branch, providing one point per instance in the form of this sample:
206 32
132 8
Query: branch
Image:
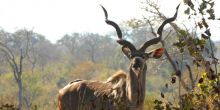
190 76
13 68
21 59
176 69
10 59
151 27
7 50
155 7
28 41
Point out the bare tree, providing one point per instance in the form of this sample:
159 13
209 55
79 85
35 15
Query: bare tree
16 63
121 91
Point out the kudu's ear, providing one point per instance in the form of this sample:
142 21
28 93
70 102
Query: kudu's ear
126 51
157 53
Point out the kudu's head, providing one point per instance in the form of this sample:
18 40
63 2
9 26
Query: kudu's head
139 56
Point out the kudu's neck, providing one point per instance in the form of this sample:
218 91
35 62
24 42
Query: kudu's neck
136 87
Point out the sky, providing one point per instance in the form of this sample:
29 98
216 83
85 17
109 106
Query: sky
55 18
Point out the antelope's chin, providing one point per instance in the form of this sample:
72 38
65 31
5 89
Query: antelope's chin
137 70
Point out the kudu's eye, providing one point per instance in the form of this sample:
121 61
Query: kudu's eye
143 56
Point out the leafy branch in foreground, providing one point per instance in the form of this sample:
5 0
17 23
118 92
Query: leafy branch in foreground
204 91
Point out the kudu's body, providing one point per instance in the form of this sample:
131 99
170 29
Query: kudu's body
121 91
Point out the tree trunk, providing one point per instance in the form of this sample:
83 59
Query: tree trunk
20 93
28 103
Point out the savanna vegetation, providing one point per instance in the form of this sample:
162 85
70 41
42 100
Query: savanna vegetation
32 69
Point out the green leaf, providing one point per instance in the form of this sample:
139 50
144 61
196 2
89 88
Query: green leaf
208 32
211 16
203 6
210 11
200 80
200 25
189 3
183 32
212 4
187 11
204 23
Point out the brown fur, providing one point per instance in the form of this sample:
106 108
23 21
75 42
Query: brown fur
94 95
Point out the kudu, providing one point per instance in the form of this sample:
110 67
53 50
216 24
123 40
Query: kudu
121 91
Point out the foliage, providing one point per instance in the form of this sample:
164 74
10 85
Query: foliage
204 96
191 55
198 89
